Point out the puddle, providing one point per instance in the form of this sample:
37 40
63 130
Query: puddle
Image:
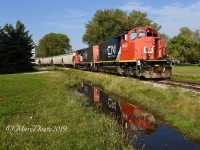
140 126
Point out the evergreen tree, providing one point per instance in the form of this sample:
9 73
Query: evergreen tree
15 49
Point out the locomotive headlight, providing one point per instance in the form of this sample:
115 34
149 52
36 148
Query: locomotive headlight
138 62
153 41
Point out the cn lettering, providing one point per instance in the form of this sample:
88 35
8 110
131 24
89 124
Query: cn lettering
111 50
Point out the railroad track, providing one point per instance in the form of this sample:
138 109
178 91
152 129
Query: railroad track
186 85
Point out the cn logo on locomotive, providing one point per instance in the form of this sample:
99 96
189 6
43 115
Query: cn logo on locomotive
112 104
149 49
85 55
111 50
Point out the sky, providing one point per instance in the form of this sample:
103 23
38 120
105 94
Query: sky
69 17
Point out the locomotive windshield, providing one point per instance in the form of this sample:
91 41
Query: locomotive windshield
142 34
139 33
133 35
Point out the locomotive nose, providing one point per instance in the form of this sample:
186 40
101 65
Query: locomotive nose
154 48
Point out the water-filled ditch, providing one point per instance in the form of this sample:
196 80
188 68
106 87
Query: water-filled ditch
140 127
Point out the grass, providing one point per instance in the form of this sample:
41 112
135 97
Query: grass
180 109
27 100
186 73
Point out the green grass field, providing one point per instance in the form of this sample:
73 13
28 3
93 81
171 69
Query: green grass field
186 73
187 70
38 111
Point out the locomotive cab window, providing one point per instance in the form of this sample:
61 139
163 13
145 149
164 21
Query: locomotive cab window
142 34
133 35
124 37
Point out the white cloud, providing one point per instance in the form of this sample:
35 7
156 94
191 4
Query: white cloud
73 19
171 17
64 14
76 13
132 5
174 17
64 25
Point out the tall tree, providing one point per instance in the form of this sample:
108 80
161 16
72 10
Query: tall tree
186 31
53 44
196 35
105 24
138 19
108 22
15 49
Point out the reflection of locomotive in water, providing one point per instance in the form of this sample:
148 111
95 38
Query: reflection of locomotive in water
139 126
133 118
138 52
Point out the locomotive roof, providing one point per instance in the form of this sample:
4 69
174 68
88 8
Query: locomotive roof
146 29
